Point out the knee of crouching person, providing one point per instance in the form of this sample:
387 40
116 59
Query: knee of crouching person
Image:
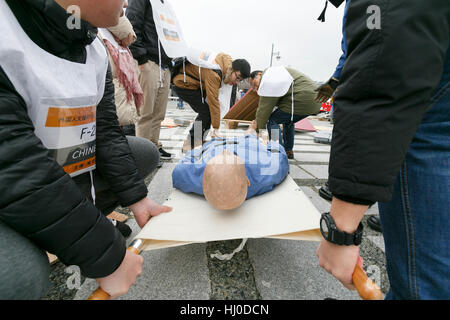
145 153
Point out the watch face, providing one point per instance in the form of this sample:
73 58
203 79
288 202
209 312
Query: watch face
324 228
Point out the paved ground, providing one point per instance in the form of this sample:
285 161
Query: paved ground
264 269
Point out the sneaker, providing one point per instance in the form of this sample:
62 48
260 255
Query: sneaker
290 154
123 228
164 155
325 192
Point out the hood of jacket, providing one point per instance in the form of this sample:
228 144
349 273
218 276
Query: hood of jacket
225 63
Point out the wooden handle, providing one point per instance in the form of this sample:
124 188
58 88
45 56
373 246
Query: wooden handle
100 294
367 289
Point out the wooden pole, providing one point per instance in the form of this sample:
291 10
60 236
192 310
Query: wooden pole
367 289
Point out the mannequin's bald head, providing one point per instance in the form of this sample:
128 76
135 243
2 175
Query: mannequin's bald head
225 183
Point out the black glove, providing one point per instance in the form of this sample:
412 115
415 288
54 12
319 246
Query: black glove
325 91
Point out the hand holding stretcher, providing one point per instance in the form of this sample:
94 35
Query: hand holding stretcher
367 289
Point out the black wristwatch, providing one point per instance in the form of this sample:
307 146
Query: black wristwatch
333 82
332 234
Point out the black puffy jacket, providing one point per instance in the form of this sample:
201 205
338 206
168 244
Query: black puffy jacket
386 85
140 14
38 199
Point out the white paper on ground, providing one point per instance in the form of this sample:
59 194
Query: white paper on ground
284 213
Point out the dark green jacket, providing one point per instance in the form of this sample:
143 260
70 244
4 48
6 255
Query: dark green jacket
304 103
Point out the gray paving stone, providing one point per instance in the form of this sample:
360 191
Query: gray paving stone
171 143
297 173
168 274
174 273
179 137
321 204
378 241
161 187
304 142
289 269
316 122
303 137
373 210
178 133
312 157
318 171
181 121
314 147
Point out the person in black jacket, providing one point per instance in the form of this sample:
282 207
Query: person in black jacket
391 144
325 92
154 74
42 207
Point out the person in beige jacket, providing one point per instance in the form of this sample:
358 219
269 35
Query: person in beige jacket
128 93
195 86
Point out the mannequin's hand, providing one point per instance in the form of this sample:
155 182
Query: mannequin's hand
215 134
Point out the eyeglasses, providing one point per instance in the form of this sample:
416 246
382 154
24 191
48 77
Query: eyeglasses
238 77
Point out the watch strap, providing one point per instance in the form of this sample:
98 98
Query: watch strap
343 238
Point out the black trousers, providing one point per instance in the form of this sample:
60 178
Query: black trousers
129 130
203 120
145 154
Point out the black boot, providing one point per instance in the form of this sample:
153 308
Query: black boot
325 192
163 154
374 223
123 228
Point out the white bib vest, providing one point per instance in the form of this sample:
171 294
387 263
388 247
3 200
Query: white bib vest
207 59
276 82
202 58
169 32
168 29
61 96
225 98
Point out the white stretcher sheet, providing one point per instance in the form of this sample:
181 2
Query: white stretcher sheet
284 213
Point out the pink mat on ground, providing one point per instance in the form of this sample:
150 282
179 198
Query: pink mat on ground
304 125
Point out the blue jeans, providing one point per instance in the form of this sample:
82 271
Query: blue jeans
180 103
280 117
416 223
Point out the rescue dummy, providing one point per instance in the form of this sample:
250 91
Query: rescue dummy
229 171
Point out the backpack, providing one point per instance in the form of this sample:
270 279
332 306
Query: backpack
177 67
